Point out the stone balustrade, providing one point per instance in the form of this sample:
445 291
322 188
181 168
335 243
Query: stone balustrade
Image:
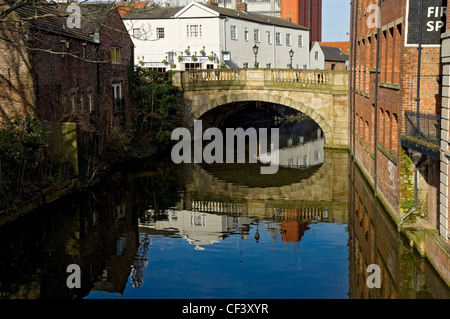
291 79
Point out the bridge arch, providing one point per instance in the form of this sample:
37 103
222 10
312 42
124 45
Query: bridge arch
321 95
258 96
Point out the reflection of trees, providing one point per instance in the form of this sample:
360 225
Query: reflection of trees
140 261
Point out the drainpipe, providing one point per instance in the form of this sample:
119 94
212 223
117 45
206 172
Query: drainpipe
353 95
419 64
274 49
375 146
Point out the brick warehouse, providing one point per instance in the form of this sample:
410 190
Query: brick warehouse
404 168
55 71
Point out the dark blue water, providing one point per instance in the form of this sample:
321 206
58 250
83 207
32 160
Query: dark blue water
240 267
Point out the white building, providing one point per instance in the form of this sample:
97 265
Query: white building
317 57
268 7
202 36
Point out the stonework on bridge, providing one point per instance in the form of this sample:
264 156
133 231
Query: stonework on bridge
322 95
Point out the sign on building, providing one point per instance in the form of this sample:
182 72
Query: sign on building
433 16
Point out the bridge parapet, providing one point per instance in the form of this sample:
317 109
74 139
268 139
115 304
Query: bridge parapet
320 81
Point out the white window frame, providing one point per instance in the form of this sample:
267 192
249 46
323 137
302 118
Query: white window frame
300 40
316 55
233 32
269 37
160 33
246 34
288 39
137 33
194 34
278 38
90 102
117 87
256 35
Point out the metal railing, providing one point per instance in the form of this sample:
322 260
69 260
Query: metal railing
423 126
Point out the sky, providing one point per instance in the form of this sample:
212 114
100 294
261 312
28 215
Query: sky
335 20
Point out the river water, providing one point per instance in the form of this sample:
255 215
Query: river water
159 230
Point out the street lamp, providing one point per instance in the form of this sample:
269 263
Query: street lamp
255 51
291 55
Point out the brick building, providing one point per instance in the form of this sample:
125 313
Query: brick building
444 197
55 71
395 109
307 13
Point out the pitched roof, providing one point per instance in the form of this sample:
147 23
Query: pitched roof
44 17
169 12
334 54
343 45
124 7
93 15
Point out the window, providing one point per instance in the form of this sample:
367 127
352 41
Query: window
316 55
256 35
245 65
115 55
288 39
268 65
84 50
246 34
81 101
160 33
117 91
233 32
90 102
194 30
118 105
300 40
277 38
137 33
269 37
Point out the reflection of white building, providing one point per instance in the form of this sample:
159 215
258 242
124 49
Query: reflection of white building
201 36
197 228
304 154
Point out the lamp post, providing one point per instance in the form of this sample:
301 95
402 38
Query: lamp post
291 55
255 51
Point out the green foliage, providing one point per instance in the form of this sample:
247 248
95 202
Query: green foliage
22 142
156 101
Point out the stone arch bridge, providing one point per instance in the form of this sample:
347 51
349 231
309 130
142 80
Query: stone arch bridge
322 95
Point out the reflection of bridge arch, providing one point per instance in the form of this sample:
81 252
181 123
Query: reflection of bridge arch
324 191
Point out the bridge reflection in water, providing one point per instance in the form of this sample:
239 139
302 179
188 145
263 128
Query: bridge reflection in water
158 230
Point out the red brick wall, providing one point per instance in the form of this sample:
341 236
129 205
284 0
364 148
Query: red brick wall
115 34
16 83
396 93
62 80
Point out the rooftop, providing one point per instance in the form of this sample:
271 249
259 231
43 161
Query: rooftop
140 13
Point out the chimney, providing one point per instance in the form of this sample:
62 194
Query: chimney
241 6
288 17
212 3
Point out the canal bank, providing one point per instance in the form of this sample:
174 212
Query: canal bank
422 235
